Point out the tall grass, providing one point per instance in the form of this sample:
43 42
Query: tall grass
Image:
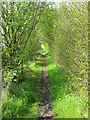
66 102
22 100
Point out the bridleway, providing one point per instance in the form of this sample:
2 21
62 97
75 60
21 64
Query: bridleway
45 110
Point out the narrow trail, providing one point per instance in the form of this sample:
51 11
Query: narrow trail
45 110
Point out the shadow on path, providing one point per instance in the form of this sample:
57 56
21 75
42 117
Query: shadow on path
45 110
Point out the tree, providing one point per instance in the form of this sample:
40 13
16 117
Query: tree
19 22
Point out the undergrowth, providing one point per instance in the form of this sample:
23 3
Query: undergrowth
66 102
22 100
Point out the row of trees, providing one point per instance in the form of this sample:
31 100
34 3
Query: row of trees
68 43
63 28
20 24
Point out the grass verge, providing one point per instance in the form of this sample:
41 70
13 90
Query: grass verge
66 102
22 100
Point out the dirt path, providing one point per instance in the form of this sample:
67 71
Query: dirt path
45 110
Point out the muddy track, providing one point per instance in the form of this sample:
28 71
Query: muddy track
45 110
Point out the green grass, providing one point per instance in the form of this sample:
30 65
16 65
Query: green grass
66 102
22 101
40 52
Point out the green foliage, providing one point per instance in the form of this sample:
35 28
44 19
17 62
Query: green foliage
20 33
69 46
64 33
46 24
66 102
11 75
22 100
69 107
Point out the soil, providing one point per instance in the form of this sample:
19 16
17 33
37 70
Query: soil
45 110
